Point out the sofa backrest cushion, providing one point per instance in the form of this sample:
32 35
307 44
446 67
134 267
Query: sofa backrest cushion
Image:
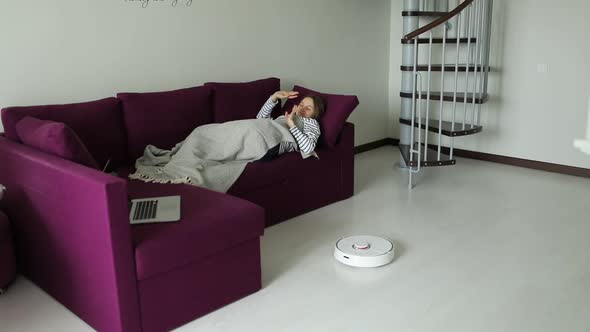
99 124
55 138
338 108
164 118
239 101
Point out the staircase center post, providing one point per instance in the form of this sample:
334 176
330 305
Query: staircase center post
410 23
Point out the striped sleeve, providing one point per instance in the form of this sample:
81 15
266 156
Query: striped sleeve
307 140
266 109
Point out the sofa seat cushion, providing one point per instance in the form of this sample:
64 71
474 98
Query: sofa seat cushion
240 101
99 124
311 182
210 223
289 166
164 118
261 174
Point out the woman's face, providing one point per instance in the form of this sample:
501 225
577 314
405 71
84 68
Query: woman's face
306 108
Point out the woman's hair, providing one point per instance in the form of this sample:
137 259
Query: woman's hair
318 104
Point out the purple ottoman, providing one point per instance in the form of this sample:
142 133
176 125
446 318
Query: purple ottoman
7 260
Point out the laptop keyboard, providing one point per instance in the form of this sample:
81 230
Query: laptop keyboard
145 210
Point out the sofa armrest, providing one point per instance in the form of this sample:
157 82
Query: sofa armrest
72 233
346 138
345 147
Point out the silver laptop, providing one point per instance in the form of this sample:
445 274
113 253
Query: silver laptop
156 209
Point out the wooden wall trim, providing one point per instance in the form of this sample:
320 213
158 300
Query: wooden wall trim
513 161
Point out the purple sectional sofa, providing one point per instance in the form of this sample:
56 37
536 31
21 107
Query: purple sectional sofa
70 219
7 261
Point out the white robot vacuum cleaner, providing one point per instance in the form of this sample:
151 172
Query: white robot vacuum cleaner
364 251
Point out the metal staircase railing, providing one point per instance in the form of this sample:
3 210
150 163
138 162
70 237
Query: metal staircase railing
472 28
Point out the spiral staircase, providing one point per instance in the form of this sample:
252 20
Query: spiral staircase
445 68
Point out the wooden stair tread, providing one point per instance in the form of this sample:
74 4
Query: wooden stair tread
423 13
448 96
431 159
439 40
447 130
448 68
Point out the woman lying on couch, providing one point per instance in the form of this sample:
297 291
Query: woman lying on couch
309 110
215 155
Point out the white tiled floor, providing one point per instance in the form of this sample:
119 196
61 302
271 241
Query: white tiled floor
481 247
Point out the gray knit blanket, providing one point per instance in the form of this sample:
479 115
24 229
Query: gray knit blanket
214 155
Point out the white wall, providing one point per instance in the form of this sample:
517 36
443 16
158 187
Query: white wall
76 50
532 115
395 60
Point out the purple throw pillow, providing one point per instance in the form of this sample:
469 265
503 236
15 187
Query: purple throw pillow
55 138
239 101
338 108
164 119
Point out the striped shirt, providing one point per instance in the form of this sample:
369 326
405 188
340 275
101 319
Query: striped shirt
306 137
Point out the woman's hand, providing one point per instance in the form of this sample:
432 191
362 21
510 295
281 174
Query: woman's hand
291 116
280 95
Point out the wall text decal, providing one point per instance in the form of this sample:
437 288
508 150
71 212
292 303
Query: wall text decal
173 3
